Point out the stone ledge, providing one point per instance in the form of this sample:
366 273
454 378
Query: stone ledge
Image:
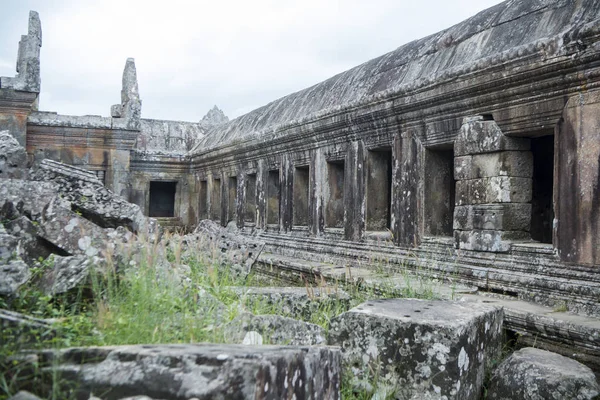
175 372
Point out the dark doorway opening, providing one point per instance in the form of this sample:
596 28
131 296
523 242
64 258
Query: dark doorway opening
542 210
203 200
215 200
334 206
162 199
231 198
379 189
439 192
251 198
301 193
273 192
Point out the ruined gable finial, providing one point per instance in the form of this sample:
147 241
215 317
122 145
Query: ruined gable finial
215 116
28 59
130 108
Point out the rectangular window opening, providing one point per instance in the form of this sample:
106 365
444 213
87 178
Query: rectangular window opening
203 200
301 195
439 192
334 206
542 210
215 200
231 198
273 193
162 199
250 198
379 189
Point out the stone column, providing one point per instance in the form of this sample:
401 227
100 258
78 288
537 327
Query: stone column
577 194
287 190
493 174
406 215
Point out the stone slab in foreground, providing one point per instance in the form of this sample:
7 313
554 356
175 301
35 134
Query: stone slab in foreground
203 371
420 348
530 374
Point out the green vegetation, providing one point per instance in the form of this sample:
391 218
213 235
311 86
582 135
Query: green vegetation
140 299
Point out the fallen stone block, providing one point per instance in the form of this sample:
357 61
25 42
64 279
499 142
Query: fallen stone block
67 273
13 157
13 274
420 348
92 199
32 248
222 246
204 371
25 197
70 232
275 329
531 374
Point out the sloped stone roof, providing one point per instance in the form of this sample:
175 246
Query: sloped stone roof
495 35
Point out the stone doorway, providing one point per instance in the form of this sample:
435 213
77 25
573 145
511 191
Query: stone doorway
542 210
273 193
379 189
301 193
334 206
162 199
439 192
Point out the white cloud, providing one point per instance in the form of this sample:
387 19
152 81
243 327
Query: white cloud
193 54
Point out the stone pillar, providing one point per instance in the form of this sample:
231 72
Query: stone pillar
287 191
19 94
406 216
493 174
354 191
262 176
577 177
127 114
315 192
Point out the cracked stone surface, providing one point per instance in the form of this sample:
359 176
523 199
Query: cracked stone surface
204 371
422 348
532 374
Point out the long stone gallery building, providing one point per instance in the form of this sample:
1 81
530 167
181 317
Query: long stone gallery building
472 155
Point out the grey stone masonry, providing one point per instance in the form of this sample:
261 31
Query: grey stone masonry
127 115
204 371
532 374
28 59
422 349
494 187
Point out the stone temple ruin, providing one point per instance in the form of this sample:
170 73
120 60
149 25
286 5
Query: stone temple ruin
471 155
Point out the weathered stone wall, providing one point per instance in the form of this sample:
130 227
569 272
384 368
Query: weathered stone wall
149 167
577 198
509 84
95 143
168 136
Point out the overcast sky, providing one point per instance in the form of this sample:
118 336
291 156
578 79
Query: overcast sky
191 55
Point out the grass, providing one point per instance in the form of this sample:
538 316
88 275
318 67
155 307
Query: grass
138 298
